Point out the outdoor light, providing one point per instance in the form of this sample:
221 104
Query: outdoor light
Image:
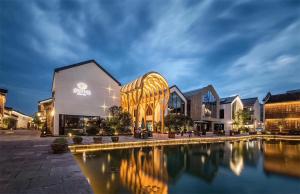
52 112
104 106
109 89
114 97
38 114
70 134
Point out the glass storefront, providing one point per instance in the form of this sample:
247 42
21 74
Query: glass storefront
176 104
76 122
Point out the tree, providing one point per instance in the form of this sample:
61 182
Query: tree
119 120
241 118
176 122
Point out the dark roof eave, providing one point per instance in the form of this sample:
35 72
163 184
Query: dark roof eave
83 63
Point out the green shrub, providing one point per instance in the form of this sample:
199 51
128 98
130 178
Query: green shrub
93 130
77 140
59 145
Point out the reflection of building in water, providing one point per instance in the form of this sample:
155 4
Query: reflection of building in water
203 160
239 154
282 158
145 172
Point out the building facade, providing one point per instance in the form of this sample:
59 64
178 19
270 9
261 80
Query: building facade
228 109
282 112
3 93
204 108
252 105
81 93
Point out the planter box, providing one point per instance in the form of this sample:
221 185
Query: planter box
115 138
97 139
77 140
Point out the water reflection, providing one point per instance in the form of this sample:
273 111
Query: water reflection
160 169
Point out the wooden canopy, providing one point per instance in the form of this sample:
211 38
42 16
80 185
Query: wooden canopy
146 92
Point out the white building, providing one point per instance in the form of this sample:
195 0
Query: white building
81 93
228 108
253 106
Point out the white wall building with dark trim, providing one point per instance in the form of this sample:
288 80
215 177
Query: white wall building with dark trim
228 108
80 92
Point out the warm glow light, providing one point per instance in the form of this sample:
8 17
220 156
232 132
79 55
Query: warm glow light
114 97
82 90
104 107
38 114
109 89
52 112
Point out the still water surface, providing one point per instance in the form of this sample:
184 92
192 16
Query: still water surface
258 167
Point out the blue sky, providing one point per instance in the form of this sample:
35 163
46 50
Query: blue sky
241 47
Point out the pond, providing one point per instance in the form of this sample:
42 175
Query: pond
257 166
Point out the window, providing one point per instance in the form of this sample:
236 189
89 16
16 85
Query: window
176 104
209 105
221 113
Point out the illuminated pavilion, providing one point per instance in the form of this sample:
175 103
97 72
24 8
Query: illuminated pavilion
146 99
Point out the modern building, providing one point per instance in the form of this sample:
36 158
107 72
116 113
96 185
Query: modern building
282 112
3 93
177 101
81 93
252 105
204 108
228 109
146 99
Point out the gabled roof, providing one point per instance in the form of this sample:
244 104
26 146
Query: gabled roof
249 101
188 94
4 91
227 100
84 63
286 97
174 86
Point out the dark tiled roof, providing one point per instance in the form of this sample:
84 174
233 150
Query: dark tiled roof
3 90
294 91
228 100
83 63
287 97
193 92
249 101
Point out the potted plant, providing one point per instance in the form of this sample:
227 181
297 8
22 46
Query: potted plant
115 137
77 140
97 139
59 145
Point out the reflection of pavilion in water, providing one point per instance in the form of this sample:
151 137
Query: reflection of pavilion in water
145 172
282 158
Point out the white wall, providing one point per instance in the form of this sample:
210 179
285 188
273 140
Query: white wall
228 117
256 108
22 120
67 102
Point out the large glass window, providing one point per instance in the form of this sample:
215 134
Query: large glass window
176 104
209 105
68 122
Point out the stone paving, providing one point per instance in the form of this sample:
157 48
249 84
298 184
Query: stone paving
28 166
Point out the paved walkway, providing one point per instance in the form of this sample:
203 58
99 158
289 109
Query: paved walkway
28 166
